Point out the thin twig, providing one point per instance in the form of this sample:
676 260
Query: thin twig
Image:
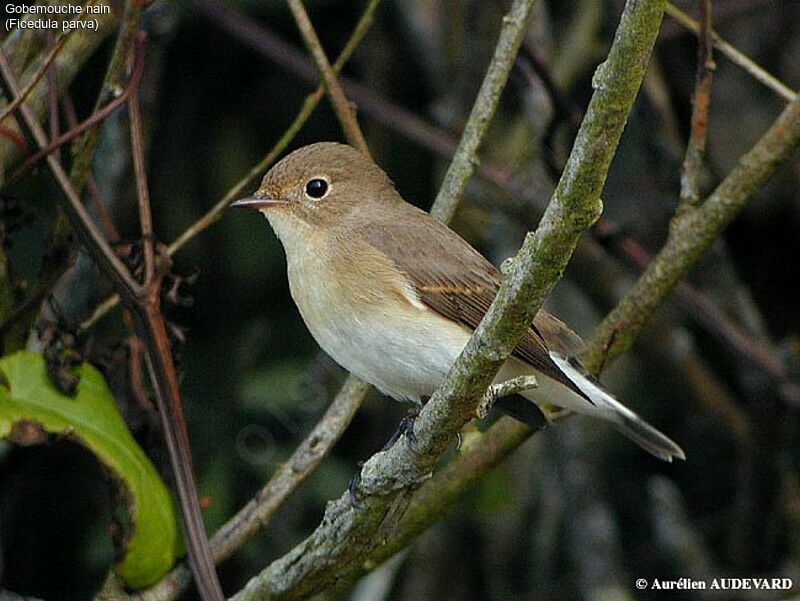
37 77
693 161
707 313
150 324
339 101
283 482
79 217
142 190
348 534
504 389
692 233
465 158
79 46
95 196
94 119
312 100
745 62
52 89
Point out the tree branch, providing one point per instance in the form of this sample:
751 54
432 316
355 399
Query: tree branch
693 161
692 233
735 55
465 158
341 107
348 533
79 46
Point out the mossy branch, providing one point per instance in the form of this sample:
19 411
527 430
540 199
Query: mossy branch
691 233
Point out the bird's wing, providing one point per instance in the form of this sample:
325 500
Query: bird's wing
457 282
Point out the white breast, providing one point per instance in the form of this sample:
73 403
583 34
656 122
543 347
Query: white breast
391 341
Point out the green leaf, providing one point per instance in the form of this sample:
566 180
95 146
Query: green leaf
91 418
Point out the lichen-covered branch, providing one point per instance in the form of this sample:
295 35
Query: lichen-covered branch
350 532
691 233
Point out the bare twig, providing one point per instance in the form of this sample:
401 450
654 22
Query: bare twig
128 37
465 158
52 84
80 218
100 207
691 234
707 313
93 120
77 48
310 103
503 389
348 534
339 101
56 47
286 479
142 190
151 328
693 163
735 55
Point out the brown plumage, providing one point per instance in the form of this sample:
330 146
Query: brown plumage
457 282
393 295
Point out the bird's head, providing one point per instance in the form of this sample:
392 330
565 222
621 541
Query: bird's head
319 187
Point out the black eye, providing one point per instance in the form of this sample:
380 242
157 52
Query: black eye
317 187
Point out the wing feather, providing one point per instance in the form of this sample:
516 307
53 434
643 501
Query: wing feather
457 282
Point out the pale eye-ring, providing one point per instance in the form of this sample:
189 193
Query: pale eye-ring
317 188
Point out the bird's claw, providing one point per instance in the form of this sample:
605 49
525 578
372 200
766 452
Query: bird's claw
404 428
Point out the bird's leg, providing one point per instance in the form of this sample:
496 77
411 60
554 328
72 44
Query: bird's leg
406 428
352 486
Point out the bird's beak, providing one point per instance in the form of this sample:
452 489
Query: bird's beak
257 202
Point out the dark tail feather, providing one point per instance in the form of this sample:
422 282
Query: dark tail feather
521 409
647 437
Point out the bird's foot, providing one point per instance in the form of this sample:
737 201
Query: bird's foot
352 486
404 428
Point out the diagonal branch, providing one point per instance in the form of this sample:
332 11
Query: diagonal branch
150 325
79 217
349 533
692 173
734 54
78 47
465 159
339 101
692 232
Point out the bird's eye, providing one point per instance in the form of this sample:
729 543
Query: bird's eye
316 188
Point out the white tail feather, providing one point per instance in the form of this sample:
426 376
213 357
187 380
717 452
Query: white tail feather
626 421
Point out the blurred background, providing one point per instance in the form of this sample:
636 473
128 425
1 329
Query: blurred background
578 511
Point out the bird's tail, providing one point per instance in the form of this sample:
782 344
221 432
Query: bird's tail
625 420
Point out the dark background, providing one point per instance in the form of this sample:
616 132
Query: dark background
577 512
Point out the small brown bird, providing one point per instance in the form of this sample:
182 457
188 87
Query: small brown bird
393 295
